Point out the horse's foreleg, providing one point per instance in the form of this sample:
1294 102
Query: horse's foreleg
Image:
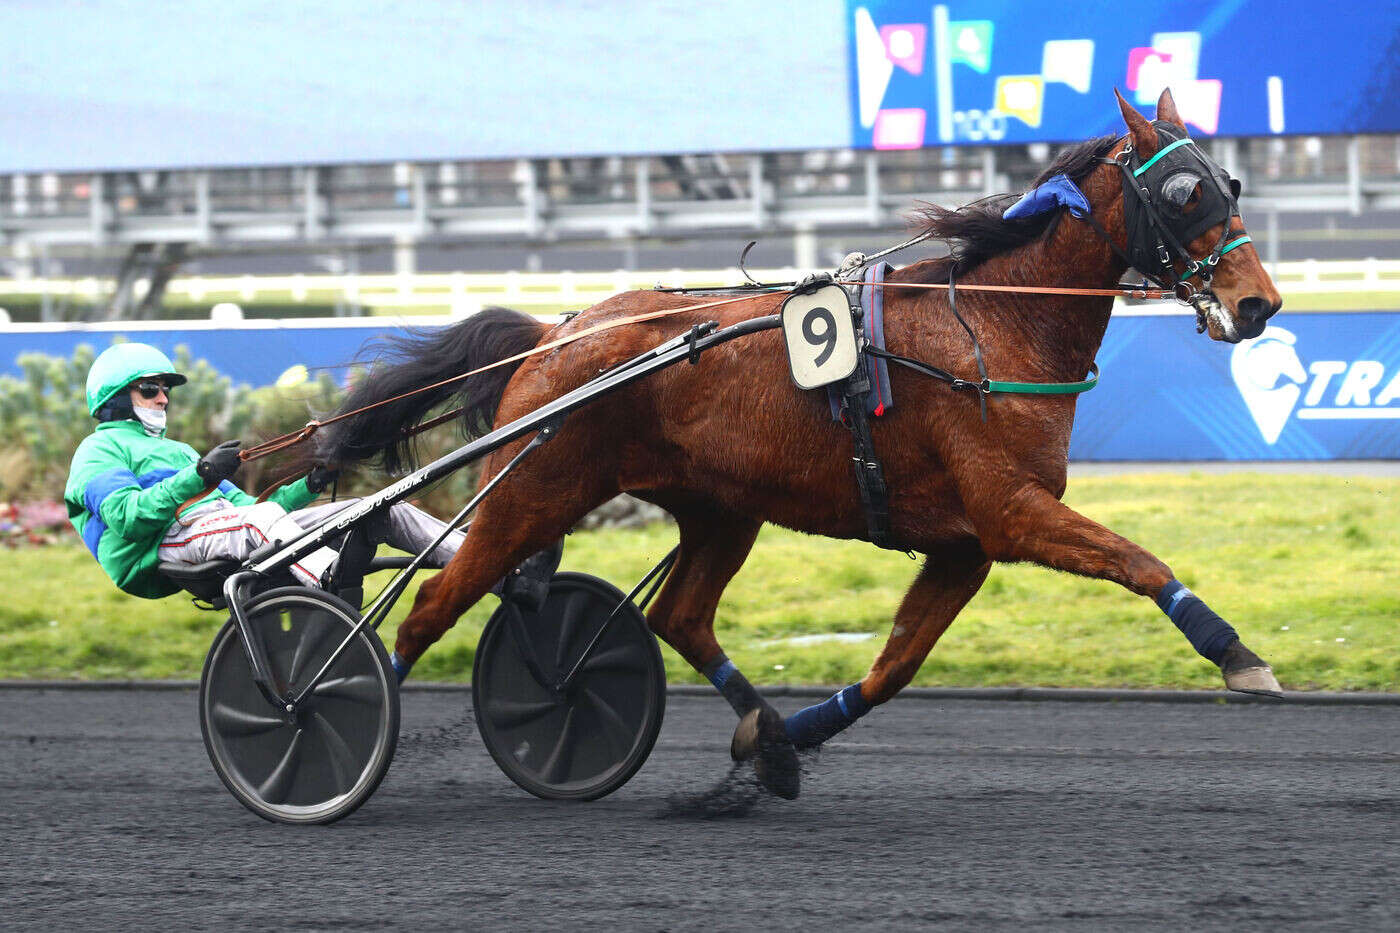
948 579
1032 525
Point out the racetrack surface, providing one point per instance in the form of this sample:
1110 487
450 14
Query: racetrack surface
963 814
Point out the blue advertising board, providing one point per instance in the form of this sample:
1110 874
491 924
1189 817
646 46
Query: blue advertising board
976 71
1313 386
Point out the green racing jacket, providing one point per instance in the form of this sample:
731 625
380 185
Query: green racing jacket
124 488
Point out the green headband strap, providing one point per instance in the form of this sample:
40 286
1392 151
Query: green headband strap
1161 152
1238 241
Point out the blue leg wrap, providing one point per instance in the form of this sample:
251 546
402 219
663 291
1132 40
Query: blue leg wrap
732 685
719 672
812 726
401 667
1209 634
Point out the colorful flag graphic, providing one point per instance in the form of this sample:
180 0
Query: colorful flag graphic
970 42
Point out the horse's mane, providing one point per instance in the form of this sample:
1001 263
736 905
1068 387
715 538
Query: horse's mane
976 232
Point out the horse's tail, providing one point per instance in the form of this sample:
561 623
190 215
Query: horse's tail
422 358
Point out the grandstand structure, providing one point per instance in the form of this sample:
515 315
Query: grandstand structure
141 229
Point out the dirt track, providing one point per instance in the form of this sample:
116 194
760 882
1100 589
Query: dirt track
968 814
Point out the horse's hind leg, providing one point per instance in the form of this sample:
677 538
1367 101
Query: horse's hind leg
948 579
714 545
516 520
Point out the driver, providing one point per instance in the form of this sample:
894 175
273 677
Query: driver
133 494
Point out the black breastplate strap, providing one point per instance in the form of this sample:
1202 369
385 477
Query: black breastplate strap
870 475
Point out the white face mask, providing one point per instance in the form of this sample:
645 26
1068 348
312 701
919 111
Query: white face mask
152 419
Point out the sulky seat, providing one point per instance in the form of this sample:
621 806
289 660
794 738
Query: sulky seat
206 581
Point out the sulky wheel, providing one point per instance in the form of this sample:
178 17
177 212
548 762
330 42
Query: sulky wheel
318 764
583 740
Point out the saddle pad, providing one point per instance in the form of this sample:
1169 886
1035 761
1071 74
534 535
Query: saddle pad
872 302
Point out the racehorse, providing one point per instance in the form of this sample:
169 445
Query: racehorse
729 443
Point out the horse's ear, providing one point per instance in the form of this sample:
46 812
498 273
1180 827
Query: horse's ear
1144 136
1166 109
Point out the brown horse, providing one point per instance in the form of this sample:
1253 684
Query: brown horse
730 443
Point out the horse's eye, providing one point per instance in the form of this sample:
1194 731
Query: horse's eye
1180 189
1235 188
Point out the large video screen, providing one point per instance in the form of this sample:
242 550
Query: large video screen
977 71
121 84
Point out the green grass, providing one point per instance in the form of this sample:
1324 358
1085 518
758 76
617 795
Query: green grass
1304 566
1384 300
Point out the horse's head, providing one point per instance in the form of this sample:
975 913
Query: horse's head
1183 226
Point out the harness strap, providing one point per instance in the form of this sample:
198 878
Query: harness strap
870 474
1118 251
992 386
976 345
872 303
1046 388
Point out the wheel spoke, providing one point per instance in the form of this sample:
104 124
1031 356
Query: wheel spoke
362 688
512 714
625 657
524 647
312 629
574 606
617 732
561 756
236 722
279 783
276 644
343 763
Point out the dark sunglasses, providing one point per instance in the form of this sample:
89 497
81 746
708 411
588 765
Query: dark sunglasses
152 389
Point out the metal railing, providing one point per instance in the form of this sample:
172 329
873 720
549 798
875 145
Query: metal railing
552 200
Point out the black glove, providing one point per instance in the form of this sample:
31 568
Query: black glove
220 463
321 476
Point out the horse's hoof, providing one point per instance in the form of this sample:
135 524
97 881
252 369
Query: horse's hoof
762 736
1246 672
744 745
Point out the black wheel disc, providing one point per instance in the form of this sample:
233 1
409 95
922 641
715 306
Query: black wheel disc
587 740
321 762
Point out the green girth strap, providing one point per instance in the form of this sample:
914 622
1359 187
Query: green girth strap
995 386
991 386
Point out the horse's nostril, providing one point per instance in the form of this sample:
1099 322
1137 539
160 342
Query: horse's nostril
1255 308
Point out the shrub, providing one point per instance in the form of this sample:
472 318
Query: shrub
45 417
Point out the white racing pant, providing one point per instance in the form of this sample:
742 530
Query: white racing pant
220 530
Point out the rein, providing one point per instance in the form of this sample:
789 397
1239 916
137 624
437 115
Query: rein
852 263
293 438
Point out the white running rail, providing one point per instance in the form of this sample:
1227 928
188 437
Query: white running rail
461 293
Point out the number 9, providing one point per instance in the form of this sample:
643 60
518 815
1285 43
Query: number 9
826 336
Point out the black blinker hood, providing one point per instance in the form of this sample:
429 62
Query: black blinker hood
1155 242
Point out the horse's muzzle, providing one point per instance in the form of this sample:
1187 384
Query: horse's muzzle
1254 309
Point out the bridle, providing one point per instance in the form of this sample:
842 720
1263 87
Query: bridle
1157 229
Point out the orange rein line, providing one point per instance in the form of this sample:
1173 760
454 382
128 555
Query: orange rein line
1154 294
296 437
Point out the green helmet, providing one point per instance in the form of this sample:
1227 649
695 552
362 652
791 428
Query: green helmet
122 364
